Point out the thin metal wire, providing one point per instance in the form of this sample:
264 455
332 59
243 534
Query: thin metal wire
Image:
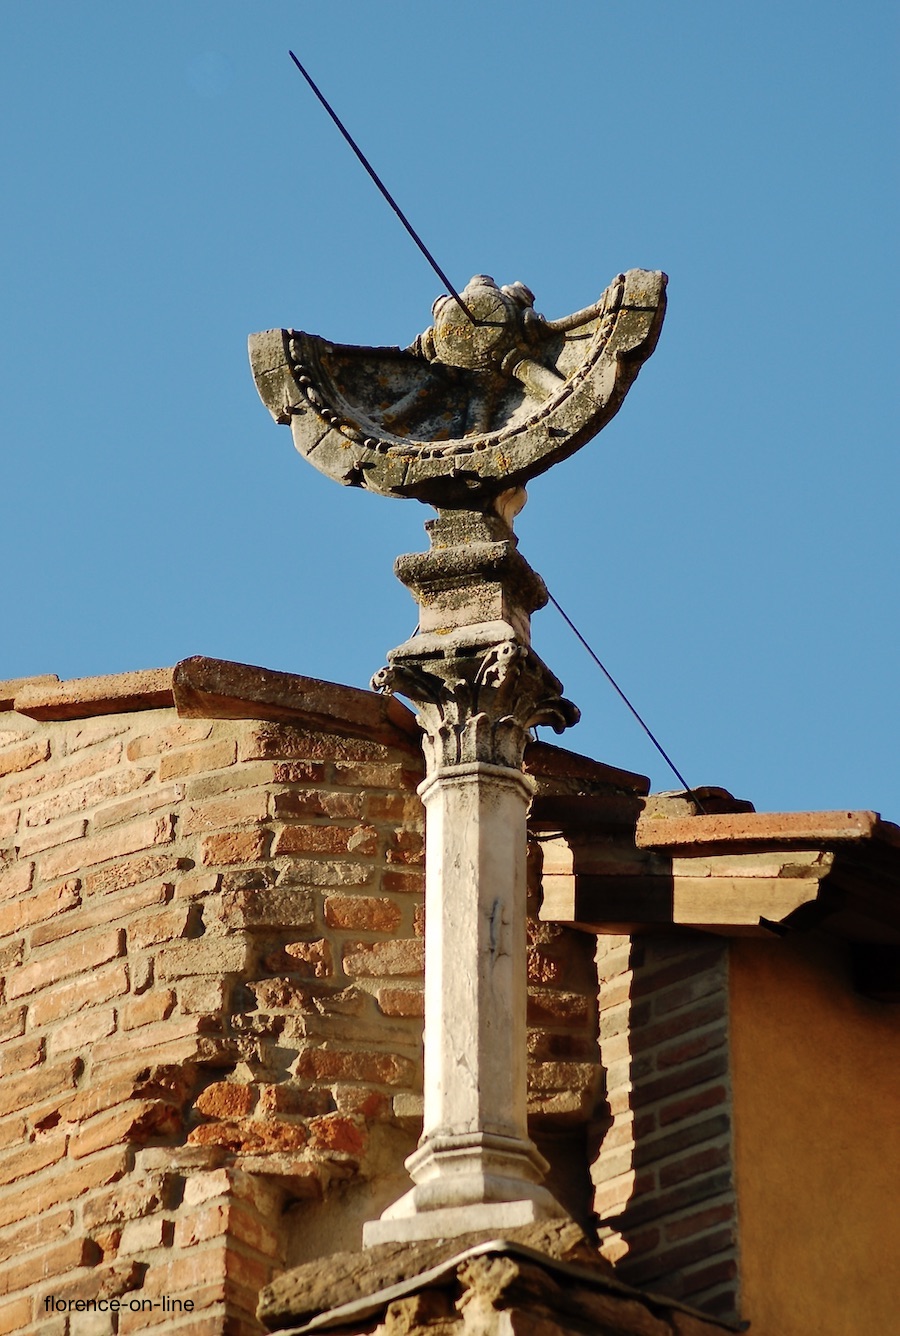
384 190
614 684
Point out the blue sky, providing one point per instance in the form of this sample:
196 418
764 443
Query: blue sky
729 544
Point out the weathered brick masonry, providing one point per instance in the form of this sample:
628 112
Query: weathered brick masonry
210 1023
664 1175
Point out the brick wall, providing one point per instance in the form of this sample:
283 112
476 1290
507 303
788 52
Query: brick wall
211 1010
664 1178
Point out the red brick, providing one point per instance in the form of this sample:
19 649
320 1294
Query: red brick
246 1275
686 1135
234 846
152 929
549 1007
233 810
683 1078
679 1109
406 846
647 1034
15 1316
151 1036
129 872
299 772
21 1057
226 1099
33 1088
401 1001
228 1218
13 760
692 1166
35 1233
12 1022
705 1277
50 1262
359 840
98 1097
197 884
216 755
27 1160
295 1100
698 1222
127 1201
222 783
93 731
286 743
203 955
117 843
155 1005
701 961
140 1236
251 1135
49 837
132 1125
365 913
373 960
325 872
314 958
165 739
83 1030
100 912
693 1046
11 955
64 1187
9 822
142 804
91 793
91 990
362 1103
336 1132
677 1259
375 776
205 1301
59 899
614 1196
78 958
400 809
409 880
315 802
93 762
321 1064
285 908
13 1132
16 880
203 996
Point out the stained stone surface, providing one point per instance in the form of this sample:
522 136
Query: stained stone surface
329 1282
473 407
545 1280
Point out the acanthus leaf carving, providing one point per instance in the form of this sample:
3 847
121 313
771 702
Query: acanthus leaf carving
479 707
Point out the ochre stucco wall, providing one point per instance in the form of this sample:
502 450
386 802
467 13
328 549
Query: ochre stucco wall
816 1080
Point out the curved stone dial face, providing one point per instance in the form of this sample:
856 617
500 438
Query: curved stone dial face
473 407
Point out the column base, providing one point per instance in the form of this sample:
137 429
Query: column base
446 1222
467 1182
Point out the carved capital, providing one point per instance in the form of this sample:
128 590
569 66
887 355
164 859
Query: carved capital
476 701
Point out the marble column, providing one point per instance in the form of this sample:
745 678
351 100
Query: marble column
479 688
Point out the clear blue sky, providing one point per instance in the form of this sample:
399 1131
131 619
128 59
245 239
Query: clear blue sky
729 544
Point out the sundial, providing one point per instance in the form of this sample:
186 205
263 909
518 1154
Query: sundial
473 407
490 395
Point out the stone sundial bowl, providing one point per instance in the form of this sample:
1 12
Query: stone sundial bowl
485 399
